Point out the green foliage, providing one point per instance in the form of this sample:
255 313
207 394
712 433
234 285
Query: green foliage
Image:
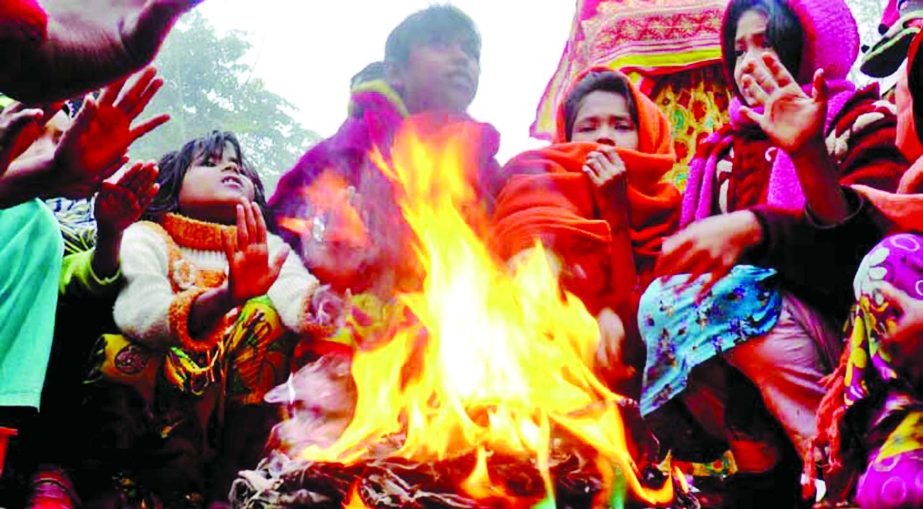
208 87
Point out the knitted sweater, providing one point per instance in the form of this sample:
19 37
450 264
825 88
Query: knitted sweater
167 265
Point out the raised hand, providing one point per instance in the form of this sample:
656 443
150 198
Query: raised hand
14 120
604 167
89 43
122 202
904 342
710 246
790 118
610 364
250 271
97 143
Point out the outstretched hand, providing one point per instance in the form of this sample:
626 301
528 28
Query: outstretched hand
89 43
790 117
96 145
250 271
14 120
122 202
711 246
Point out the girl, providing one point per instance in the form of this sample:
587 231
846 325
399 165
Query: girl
597 200
207 313
799 131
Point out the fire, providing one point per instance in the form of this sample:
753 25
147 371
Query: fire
497 359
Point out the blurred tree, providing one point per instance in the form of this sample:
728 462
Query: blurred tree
207 87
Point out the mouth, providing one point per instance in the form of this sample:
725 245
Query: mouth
233 181
462 80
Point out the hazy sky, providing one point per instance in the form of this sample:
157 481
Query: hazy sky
307 50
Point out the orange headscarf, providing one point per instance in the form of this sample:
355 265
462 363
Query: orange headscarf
547 197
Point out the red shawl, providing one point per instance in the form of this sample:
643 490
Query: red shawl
549 198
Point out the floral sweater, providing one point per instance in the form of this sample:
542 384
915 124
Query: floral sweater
166 266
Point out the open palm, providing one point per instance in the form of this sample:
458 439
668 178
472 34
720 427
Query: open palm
250 271
790 117
97 143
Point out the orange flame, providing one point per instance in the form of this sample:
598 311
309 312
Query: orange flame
499 356
354 501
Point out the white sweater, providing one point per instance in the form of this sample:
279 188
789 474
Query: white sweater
142 309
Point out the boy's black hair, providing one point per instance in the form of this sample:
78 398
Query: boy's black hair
437 24
174 165
605 81
783 31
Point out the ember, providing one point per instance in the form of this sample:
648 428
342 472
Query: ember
486 397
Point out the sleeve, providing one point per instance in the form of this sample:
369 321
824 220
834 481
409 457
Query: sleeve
291 293
79 280
142 308
863 144
818 262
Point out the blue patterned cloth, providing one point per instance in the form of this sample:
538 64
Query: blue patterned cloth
681 333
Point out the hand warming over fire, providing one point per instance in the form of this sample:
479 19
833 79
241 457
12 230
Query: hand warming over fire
250 271
609 355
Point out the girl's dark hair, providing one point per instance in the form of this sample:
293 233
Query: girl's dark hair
435 24
174 165
783 31
605 81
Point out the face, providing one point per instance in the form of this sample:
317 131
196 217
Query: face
750 43
439 76
213 186
604 117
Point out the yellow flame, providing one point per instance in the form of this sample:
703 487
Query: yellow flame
498 356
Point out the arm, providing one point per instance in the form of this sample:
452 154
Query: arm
795 123
88 44
79 279
251 272
119 204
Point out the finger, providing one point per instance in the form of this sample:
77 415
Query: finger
85 116
757 118
754 92
19 120
243 236
821 93
696 264
147 96
149 176
764 79
148 126
779 73
591 173
278 262
252 233
716 276
145 199
260 223
230 249
130 98
129 179
111 92
673 251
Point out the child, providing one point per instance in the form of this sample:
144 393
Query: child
430 75
799 130
597 200
207 313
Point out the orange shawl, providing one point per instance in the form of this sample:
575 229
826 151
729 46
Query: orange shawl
548 198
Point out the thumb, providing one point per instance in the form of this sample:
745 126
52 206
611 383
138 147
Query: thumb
756 118
278 261
230 246
821 91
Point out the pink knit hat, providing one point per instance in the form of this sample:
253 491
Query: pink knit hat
831 37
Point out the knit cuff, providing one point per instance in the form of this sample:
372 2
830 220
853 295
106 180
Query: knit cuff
179 323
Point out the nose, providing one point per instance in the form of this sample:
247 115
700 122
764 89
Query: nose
606 136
